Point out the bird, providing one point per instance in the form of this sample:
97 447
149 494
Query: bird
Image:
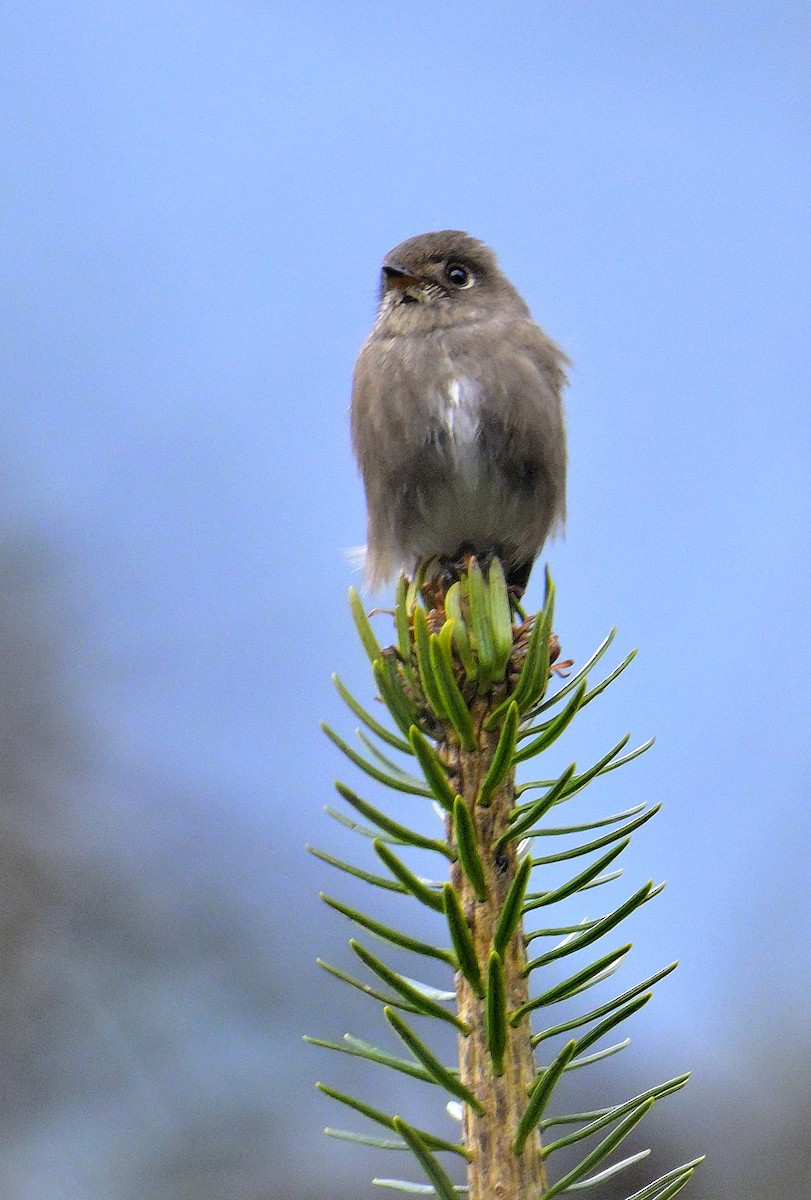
457 415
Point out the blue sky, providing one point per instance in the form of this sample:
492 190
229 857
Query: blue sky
195 201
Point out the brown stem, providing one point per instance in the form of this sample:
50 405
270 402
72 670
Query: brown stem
495 1171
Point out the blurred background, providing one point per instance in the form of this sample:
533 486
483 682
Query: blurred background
195 200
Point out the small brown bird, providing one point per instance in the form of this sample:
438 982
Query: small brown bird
457 417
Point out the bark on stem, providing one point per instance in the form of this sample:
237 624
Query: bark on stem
495 1172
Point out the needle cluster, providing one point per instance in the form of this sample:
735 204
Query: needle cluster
467 688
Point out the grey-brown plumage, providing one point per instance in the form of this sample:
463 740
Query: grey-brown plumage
457 418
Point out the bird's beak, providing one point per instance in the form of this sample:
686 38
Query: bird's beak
399 279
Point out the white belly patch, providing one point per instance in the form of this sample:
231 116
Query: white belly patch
462 420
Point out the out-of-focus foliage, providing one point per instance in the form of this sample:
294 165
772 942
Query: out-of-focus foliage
144 1026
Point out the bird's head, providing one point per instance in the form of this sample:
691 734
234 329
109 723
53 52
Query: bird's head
441 279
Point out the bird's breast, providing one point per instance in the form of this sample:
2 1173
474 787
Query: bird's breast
457 408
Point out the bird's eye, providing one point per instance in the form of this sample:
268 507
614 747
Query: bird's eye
458 275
